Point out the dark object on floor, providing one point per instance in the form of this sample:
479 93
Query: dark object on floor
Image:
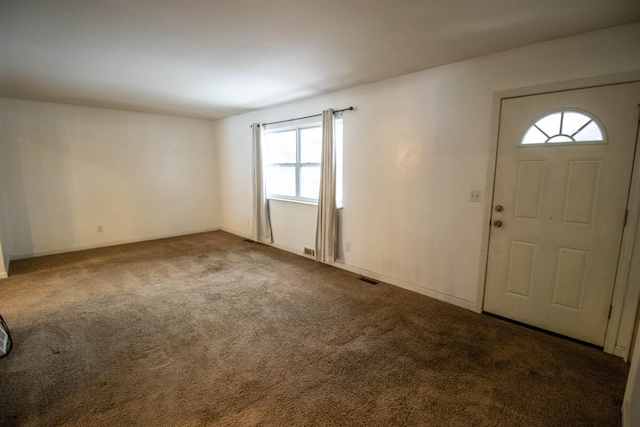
6 342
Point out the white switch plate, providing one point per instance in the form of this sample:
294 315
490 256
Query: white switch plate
476 196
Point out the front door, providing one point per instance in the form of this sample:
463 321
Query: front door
562 182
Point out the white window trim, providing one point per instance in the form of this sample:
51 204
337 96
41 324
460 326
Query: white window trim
298 124
282 199
590 115
298 165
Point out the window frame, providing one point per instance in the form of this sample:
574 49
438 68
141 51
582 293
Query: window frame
593 118
298 165
303 124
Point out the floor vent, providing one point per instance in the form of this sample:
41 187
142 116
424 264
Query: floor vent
309 252
368 280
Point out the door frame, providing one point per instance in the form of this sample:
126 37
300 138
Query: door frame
626 291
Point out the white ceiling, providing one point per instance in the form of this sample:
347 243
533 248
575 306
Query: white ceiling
218 58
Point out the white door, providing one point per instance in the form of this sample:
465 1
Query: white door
561 188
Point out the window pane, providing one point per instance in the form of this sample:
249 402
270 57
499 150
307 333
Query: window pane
572 121
560 139
576 126
550 124
280 147
591 132
534 136
310 145
309 181
281 180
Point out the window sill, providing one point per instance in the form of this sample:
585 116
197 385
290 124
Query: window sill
301 202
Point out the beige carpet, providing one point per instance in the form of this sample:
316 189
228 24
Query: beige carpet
211 330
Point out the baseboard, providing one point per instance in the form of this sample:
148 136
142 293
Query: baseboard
289 249
469 305
237 233
285 248
106 245
625 413
3 275
621 352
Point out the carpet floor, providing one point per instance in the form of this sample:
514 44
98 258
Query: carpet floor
209 329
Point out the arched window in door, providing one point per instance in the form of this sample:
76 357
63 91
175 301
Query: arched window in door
561 127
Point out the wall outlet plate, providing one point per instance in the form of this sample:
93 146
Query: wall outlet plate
476 196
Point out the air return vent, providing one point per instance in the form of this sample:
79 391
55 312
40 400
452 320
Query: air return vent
369 280
309 252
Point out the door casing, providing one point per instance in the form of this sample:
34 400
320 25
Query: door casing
626 292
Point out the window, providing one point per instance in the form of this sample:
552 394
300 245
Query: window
292 162
563 127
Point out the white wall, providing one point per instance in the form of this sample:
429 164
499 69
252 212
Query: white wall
413 150
65 170
631 402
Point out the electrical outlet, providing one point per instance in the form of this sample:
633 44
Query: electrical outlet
476 196
99 229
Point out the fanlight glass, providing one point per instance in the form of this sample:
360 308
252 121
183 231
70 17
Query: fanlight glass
563 127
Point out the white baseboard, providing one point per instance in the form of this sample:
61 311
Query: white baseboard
3 275
289 249
469 305
237 233
105 245
621 352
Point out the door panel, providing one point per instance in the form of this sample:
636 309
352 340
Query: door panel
581 192
522 261
529 189
553 260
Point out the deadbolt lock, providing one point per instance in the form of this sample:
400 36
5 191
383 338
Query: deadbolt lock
499 208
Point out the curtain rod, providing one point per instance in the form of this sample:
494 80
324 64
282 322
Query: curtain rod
306 117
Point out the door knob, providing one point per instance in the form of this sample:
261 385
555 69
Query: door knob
497 223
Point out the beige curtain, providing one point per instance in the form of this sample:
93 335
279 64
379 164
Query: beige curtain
261 219
326 229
